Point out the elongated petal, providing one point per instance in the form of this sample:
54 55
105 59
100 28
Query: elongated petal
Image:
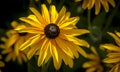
78 41
38 15
31 22
53 51
111 60
105 5
97 7
115 68
33 50
43 52
30 41
53 14
112 2
91 4
117 39
70 21
32 30
12 40
85 4
110 47
74 32
45 13
64 47
61 14
88 64
73 49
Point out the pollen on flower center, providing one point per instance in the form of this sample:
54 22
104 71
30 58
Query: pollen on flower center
51 30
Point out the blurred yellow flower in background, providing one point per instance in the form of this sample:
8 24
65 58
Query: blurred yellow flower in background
90 4
2 64
113 56
94 65
49 1
12 43
54 36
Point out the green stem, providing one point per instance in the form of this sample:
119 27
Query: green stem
89 19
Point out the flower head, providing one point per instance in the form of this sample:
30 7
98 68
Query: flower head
90 3
94 65
12 43
113 56
54 36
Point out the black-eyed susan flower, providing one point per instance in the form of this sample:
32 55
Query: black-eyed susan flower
94 65
2 64
12 43
113 56
54 36
90 4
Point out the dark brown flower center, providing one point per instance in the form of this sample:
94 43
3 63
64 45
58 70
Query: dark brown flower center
51 30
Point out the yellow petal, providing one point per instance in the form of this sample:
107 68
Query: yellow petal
12 40
78 41
32 30
110 47
113 55
9 57
2 64
112 2
70 21
117 39
61 14
92 69
38 15
63 18
81 51
115 68
30 41
45 13
111 60
93 50
105 5
73 49
85 4
33 50
118 34
43 52
53 14
64 47
97 7
34 18
74 32
91 4
53 50
31 22
88 64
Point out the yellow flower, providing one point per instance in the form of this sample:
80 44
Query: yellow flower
54 36
12 43
113 56
94 65
1 63
90 3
